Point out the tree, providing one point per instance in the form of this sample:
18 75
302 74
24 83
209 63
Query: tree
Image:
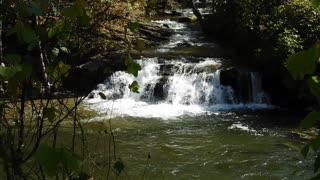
303 66
35 37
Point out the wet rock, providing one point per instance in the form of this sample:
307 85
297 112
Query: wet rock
172 12
166 69
184 44
154 33
91 95
159 92
185 20
185 3
166 25
229 77
167 12
207 69
83 78
177 13
239 81
203 4
305 135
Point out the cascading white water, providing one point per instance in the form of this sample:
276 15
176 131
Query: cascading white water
117 85
175 87
197 88
183 35
191 88
257 94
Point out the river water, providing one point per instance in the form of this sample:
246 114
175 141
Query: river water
193 126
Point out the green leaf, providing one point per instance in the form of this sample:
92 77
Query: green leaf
71 13
128 60
315 79
303 63
56 29
305 150
314 85
48 158
70 161
12 58
49 113
55 52
310 120
118 166
84 20
7 72
19 72
58 72
133 26
52 159
29 36
315 3
23 9
25 33
77 12
65 50
134 87
35 9
132 67
61 30
24 71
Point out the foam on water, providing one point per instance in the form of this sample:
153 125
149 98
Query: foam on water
183 36
187 91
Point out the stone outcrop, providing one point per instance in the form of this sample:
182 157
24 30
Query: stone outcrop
240 81
83 78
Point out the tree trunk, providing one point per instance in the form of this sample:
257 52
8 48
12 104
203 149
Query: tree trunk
43 62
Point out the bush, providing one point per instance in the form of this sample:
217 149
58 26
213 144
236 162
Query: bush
265 31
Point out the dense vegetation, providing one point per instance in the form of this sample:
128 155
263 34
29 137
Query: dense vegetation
264 33
43 43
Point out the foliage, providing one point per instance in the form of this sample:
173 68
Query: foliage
266 31
37 38
35 33
302 65
53 159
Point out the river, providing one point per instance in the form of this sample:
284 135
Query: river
191 125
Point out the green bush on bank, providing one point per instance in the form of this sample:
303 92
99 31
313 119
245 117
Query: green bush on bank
265 31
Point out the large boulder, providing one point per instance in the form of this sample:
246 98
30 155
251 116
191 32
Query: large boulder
159 91
239 81
229 77
85 77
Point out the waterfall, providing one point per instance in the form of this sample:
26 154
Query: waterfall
116 86
184 85
185 88
257 94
